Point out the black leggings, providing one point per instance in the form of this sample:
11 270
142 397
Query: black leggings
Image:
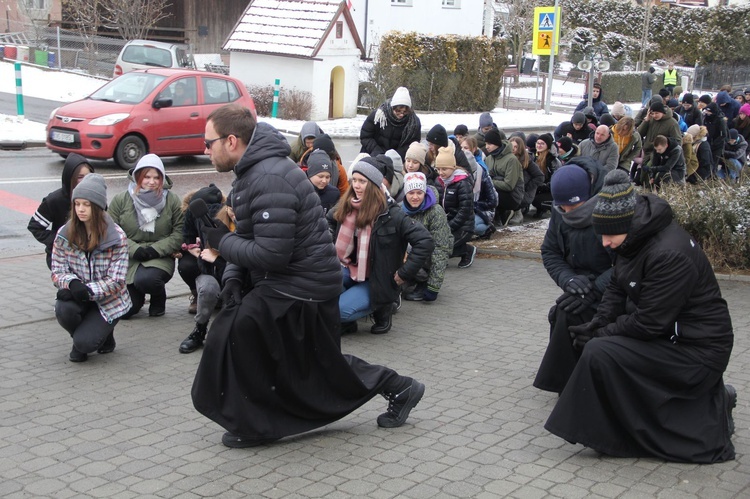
148 281
85 324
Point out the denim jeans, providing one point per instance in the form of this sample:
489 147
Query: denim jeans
734 173
480 226
354 301
645 97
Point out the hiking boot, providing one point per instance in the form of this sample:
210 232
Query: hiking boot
348 327
240 442
383 320
400 404
158 305
193 302
417 294
77 356
487 234
109 344
731 404
195 340
468 258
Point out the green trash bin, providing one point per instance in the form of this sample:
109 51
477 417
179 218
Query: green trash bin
40 57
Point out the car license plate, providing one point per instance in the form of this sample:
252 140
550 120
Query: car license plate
68 138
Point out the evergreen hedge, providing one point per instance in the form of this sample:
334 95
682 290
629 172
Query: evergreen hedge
621 86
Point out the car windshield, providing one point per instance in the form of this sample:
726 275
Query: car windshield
147 55
129 88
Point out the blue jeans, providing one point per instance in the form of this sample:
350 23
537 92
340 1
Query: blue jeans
645 97
480 226
354 301
734 172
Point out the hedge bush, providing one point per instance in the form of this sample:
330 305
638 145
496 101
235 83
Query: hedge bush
621 86
442 73
293 104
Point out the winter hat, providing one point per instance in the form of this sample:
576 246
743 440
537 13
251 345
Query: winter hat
578 117
672 103
415 180
401 97
461 130
210 194
607 119
396 161
694 130
318 162
618 109
438 135
565 143
588 111
651 69
570 185
445 158
658 107
92 188
733 134
485 119
519 134
705 98
664 93
745 109
688 98
615 207
493 137
367 169
416 152
324 143
547 138
384 164
150 161
531 140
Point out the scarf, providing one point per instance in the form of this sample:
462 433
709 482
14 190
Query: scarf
622 141
427 203
384 117
346 244
148 206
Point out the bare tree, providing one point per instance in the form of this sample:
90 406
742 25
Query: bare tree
37 11
518 25
86 15
134 18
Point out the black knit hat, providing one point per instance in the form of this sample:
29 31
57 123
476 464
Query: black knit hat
615 207
318 162
461 130
607 119
531 141
547 138
210 194
564 143
384 164
570 185
438 135
688 99
325 143
493 137
705 98
658 107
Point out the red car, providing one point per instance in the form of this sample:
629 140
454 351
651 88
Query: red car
161 111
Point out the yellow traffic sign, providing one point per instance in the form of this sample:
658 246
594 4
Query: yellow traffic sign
546 21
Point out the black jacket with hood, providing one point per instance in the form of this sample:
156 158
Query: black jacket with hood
54 210
668 166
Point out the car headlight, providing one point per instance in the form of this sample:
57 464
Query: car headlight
109 119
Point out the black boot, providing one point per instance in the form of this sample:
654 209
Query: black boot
383 320
138 300
348 327
158 305
417 294
77 356
195 340
108 345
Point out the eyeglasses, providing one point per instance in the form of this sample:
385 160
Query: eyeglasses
210 143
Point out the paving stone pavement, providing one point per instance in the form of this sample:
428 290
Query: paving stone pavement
122 425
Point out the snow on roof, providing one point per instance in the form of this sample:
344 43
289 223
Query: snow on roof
288 27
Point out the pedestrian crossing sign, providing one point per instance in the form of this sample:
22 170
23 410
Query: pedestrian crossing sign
546 28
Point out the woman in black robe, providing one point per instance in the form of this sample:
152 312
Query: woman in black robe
649 381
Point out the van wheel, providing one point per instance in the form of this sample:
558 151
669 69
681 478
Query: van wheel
129 151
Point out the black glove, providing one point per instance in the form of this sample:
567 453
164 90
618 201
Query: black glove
213 235
79 291
144 254
567 300
231 293
578 285
585 303
583 333
64 295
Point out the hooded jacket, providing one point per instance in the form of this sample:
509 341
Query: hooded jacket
600 107
728 105
282 237
606 153
668 166
309 129
663 286
650 128
457 199
54 210
166 238
713 120
691 160
567 128
737 151
692 116
506 171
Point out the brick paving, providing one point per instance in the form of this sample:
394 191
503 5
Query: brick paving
122 425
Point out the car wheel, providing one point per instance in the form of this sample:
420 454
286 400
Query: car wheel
63 155
129 151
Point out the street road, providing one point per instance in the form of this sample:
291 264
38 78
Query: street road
34 109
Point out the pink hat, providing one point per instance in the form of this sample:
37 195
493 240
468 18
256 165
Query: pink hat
745 109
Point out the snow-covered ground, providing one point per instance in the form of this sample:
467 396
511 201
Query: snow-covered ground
68 87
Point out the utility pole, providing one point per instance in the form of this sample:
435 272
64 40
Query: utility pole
557 19
644 37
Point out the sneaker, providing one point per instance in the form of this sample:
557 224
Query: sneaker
240 442
76 356
400 405
109 344
517 218
468 258
193 304
731 404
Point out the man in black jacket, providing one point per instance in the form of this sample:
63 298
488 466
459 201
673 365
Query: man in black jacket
649 380
272 364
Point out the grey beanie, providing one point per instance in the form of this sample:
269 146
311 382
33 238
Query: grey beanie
367 169
578 117
398 164
485 119
615 205
92 188
319 161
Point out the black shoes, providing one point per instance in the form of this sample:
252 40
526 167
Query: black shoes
76 356
468 258
195 340
348 327
383 320
240 442
731 404
417 294
109 344
400 404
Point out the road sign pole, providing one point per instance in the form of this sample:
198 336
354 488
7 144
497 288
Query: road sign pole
19 91
555 24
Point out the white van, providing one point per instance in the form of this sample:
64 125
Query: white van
144 54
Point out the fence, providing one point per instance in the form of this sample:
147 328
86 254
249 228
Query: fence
713 76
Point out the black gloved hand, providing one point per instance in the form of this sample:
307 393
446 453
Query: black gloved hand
567 300
231 293
213 235
578 285
64 295
79 291
583 333
143 254
585 303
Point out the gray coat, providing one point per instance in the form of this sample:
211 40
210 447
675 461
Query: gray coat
605 153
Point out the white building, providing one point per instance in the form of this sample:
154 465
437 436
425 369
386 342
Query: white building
312 46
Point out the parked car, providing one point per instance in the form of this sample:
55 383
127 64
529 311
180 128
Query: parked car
160 111
144 54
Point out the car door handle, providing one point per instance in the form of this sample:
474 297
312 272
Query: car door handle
194 115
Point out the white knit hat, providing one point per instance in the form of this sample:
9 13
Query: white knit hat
401 97
150 161
415 180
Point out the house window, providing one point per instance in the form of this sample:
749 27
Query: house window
403 3
452 4
339 29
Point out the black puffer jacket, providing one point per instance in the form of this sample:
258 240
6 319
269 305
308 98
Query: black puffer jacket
282 237
457 199
663 286
376 140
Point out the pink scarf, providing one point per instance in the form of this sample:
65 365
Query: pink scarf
345 245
